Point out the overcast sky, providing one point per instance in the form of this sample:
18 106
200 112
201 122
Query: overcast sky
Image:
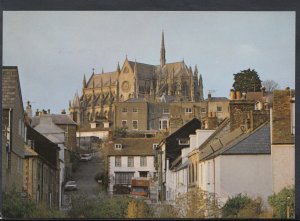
54 49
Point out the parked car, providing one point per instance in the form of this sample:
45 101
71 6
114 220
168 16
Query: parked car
71 185
86 157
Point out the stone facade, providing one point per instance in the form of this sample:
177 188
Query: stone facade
13 127
134 80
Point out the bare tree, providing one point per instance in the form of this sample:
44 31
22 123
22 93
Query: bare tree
270 85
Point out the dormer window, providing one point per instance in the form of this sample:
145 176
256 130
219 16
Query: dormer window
155 145
183 141
118 146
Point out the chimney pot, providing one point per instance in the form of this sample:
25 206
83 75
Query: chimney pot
238 95
232 94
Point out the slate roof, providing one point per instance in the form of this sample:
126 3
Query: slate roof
167 98
135 100
56 118
255 142
133 147
145 71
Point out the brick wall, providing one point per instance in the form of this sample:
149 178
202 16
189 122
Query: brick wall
281 117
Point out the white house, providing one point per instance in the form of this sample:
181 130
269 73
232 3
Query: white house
130 158
239 162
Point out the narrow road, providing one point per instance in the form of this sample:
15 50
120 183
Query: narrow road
85 178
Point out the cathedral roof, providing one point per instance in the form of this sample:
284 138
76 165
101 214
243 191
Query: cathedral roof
145 71
179 69
105 77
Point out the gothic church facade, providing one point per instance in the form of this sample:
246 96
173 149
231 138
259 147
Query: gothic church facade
135 80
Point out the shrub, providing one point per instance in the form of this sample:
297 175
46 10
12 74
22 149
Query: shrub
242 206
283 201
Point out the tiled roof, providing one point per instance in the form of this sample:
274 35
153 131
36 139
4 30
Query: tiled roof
133 147
56 118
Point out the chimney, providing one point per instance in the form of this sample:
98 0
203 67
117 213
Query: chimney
48 111
263 90
232 94
63 111
238 95
28 110
37 113
209 95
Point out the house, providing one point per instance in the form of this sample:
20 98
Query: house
42 169
239 162
55 134
130 158
169 150
14 130
283 139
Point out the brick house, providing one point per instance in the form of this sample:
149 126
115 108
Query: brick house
14 129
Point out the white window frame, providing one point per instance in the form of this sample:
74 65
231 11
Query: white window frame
155 145
118 163
161 124
137 125
143 163
131 165
118 146
188 110
183 141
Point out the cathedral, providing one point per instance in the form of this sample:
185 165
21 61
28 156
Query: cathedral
135 80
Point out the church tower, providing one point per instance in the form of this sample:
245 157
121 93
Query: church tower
162 51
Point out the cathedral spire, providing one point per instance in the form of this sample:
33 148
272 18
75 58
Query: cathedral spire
84 82
118 68
162 51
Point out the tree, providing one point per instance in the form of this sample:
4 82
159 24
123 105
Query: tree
242 206
247 81
120 131
283 202
138 209
197 203
270 85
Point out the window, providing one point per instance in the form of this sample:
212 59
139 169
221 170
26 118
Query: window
166 110
219 109
188 110
118 146
184 142
155 145
123 178
134 110
163 124
124 109
124 123
203 110
130 162
134 124
143 173
143 161
117 161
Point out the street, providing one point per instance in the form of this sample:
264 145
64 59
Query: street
85 179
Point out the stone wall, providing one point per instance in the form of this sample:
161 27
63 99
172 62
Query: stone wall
281 117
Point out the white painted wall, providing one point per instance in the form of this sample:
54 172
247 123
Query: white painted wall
229 175
283 166
202 136
124 168
193 142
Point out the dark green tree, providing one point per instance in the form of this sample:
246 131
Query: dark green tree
247 81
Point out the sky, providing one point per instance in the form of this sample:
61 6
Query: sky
53 50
